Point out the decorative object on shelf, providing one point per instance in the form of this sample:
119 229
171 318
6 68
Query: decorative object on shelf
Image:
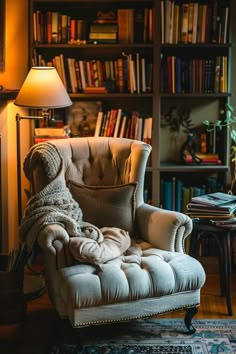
189 148
42 89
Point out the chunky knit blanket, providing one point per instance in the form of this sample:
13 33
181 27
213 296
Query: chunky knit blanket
54 203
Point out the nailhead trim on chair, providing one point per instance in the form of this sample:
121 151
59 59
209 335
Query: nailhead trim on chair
133 318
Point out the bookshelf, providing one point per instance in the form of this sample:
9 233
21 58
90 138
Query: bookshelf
152 34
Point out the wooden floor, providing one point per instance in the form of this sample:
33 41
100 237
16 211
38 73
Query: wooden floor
32 337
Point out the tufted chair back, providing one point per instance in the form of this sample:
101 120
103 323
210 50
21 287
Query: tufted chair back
100 161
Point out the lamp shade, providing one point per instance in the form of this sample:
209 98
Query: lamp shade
43 88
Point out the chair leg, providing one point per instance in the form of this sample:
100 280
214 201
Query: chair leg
190 313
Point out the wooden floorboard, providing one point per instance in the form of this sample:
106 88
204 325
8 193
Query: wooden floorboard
32 338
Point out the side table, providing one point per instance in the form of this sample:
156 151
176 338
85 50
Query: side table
224 238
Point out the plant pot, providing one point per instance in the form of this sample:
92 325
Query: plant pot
12 302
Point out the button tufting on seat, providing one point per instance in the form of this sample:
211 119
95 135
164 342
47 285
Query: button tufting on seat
142 271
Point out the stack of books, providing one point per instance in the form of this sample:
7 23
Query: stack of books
217 208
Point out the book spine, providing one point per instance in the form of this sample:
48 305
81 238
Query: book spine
167 195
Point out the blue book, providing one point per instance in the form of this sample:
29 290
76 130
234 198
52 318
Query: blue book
167 195
179 186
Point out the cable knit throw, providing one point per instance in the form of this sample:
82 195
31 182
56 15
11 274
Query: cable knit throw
54 203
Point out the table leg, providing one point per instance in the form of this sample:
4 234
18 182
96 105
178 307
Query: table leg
226 242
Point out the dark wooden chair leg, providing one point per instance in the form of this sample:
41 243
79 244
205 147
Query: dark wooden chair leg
190 313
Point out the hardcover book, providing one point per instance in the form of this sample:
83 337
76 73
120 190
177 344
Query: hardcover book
214 199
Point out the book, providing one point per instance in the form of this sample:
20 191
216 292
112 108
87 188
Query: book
201 158
49 131
42 139
214 199
222 209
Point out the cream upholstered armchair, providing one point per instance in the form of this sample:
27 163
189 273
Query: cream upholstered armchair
132 263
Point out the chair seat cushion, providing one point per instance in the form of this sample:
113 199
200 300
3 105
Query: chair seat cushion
142 272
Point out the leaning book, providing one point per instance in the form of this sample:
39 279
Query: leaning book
214 199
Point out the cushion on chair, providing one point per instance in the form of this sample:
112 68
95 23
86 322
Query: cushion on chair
112 206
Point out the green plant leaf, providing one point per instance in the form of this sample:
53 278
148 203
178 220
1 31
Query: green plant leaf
229 108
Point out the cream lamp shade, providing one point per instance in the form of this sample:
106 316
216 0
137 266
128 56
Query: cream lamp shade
43 88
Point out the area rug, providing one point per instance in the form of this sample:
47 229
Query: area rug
149 336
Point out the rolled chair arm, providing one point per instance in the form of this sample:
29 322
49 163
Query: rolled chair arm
162 228
51 233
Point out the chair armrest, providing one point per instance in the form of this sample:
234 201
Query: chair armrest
162 228
51 233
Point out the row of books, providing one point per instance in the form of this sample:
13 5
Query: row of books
187 75
89 118
176 195
117 123
129 74
124 26
194 22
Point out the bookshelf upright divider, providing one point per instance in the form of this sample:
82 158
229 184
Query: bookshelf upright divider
159 62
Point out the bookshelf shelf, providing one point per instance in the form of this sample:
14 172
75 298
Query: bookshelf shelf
192 168
125 96
196 95
94 46
154 102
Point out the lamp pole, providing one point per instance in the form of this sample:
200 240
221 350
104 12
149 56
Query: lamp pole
18 156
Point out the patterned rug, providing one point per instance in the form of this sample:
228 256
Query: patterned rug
149 336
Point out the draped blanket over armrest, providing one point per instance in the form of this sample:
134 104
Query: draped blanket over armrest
54 204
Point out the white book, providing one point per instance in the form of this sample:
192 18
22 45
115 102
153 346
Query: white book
98 124
118 123
74 78
89 81
82 73
138 72
123 126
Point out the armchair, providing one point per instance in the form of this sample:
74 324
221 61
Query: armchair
138 272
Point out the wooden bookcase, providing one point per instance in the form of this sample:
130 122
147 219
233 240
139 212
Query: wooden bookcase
165 162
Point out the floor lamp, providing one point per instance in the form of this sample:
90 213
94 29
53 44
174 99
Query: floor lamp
42 89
